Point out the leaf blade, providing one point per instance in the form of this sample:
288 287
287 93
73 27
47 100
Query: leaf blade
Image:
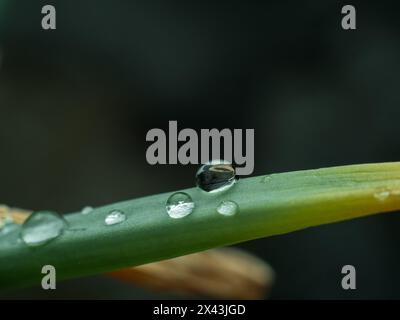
269 205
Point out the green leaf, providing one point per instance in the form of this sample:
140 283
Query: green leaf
269 205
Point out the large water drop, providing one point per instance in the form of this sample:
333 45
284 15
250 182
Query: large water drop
42 227
216 176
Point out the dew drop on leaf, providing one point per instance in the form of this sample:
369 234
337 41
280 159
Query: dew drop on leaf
382 195
115 217
179 205
216 176
86 210
7 223
228 208
42 227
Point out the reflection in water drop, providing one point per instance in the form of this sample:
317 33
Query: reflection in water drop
179 205
216 176
115 217
228 208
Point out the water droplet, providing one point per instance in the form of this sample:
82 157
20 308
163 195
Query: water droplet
382 195
7 228
216 176
42 227
228 208
115 217
7 224
179 205
87 210
266 179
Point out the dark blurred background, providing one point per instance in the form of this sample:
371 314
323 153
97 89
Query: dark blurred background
76 104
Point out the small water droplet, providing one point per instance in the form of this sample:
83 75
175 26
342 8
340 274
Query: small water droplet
228 208
7 223
382 195
266 179
179 205
115 217
42 227
7 228
87 210
216 176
